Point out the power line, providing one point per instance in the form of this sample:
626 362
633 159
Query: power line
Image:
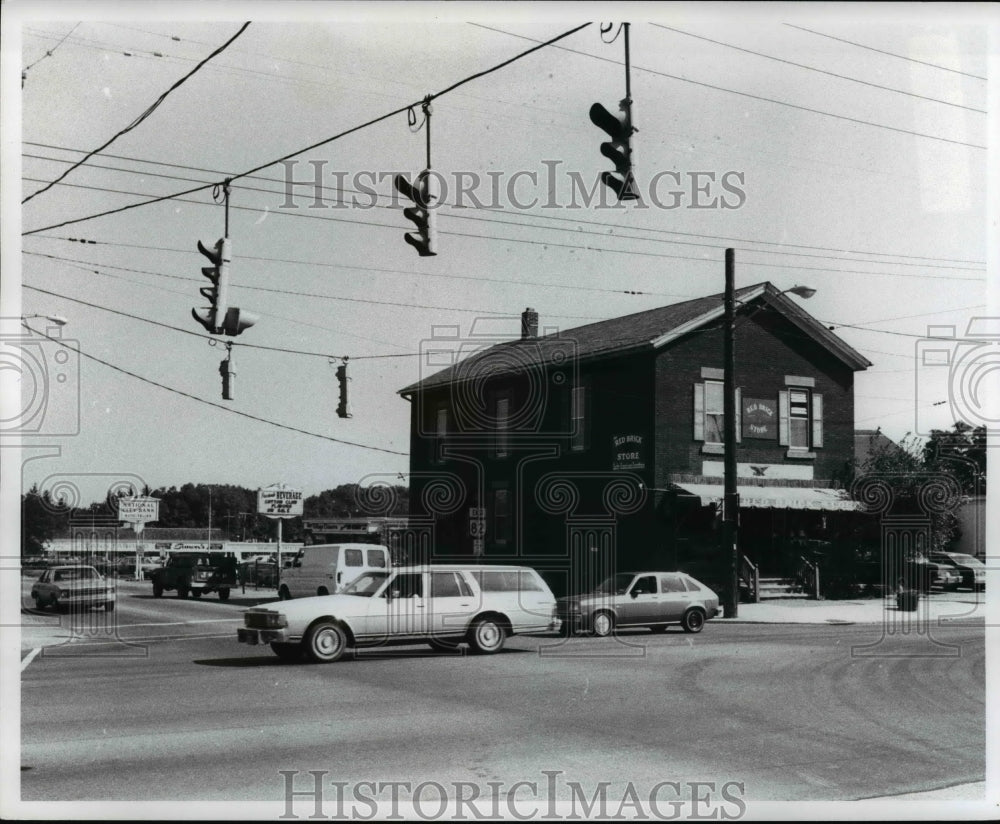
152 108
751 96
882 51
211 403
316 145
48 53
820 71
574 221
547 243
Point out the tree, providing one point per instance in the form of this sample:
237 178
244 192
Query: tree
960 452
41 520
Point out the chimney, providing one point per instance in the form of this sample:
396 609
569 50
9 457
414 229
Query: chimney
529 324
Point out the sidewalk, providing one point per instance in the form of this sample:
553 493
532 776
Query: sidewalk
957 607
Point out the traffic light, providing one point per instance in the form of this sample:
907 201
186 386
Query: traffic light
227 376
344 407
213 317
619 149
425 195
220 318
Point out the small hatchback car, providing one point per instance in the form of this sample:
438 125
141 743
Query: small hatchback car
640 599
440 605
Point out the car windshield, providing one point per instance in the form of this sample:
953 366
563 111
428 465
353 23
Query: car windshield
967 560
365 585
80 574
616 584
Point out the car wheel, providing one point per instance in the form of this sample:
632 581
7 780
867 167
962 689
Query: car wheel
284 594
486 636
287 652
602 624
224 594
322 591
157 589
109 606
182 591
658 628
325 642
441 645
693 621
196 593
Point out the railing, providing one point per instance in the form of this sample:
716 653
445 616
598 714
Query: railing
750 576
810 572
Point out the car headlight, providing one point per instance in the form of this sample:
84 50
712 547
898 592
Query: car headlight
64 593
264 620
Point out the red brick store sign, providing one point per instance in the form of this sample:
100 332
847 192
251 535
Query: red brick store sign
760 418
628 452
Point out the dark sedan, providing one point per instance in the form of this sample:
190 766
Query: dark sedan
972 570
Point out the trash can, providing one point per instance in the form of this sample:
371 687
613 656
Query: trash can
907 600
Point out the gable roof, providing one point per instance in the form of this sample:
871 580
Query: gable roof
870 442
652 329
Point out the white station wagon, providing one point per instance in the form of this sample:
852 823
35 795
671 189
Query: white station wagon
440 605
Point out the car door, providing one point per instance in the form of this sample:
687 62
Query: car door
451 605
407 605
640 604
674 597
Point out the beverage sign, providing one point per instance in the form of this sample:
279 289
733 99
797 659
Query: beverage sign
628 452
138 510
760 418
278 501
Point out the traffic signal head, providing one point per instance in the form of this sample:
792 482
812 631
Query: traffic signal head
618 149
344 406
212 317
425 195
237 320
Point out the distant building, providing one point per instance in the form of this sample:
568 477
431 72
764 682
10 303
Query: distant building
870 442
600 447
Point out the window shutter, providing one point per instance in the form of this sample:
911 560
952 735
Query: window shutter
739 415
783 417
817 420
699 411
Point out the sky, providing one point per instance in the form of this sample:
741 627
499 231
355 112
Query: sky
852 141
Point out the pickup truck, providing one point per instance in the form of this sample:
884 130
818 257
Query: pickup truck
197 573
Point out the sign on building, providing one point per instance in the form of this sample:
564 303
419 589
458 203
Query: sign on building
278 501
628 452
760 418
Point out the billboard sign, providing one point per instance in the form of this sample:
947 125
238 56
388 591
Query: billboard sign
138 510
278 501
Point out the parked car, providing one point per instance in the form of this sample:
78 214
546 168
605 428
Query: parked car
923 575
640 599
972 570
440 605
322 569
73 586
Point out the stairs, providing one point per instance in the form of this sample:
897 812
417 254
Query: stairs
781 588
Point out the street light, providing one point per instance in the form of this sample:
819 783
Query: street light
730 497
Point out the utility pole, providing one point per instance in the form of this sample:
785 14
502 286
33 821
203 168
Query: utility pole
731 499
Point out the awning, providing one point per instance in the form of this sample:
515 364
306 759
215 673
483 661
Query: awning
776 497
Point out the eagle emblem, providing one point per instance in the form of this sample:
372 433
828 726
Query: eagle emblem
758 471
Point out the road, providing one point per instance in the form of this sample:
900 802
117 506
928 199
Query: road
176 709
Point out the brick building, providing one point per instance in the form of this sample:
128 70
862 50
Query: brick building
600 447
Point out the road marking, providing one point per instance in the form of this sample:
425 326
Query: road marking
29 658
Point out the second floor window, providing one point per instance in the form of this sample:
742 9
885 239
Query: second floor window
800 419
709 413
440 433
502 418
501 515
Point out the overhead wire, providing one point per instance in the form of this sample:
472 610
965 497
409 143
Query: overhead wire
152 108
325 141
883 51
815 69
857 120
200 400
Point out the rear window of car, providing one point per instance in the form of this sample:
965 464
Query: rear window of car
691 585
672 583
506 580
353 557
448 585
376 558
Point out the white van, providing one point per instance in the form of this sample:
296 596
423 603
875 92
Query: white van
322 569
